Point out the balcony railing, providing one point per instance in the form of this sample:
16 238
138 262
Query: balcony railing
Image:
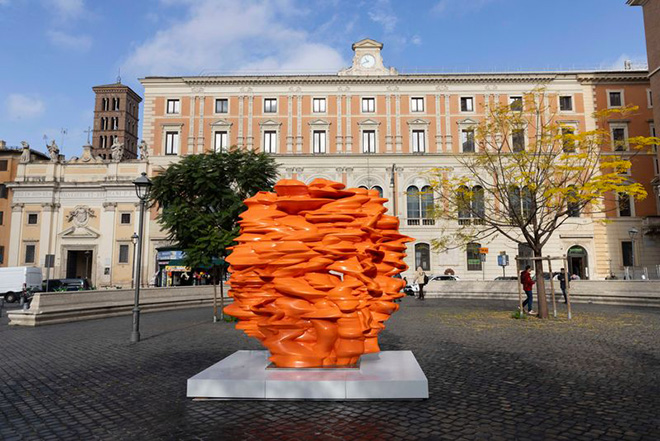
412 222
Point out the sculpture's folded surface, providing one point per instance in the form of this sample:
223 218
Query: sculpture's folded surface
312 274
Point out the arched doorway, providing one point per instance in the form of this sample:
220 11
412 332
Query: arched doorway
578 262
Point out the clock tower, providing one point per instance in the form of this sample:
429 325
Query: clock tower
367 60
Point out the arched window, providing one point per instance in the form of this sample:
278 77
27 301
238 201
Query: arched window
463 203
377 188
423 256
473 256
412 198
572 203
426 197
478 204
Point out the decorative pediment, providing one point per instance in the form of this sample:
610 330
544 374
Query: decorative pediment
270 123
369 122
467 122
75 232
319 123
418 122
222 123
367 43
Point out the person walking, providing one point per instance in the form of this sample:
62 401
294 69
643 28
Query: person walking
528 285
421 279
562 283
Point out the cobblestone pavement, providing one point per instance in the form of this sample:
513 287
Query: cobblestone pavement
490 377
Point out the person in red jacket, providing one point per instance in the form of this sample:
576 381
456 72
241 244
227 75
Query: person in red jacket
528 285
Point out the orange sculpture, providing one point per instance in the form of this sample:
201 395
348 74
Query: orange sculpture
311 276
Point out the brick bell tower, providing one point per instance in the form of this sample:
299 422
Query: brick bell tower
116 116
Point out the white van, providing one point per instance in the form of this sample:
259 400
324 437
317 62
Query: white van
13 279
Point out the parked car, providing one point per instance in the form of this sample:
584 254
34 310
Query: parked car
78 284
506 278
16 278
445 277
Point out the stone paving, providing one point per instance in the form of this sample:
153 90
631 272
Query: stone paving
490 378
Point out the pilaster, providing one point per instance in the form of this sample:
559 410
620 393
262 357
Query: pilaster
14 251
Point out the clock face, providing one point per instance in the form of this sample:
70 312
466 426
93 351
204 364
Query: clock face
367 61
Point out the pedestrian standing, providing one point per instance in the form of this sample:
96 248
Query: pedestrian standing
562 283
421 279
528 285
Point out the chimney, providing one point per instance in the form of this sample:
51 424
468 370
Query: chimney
627 65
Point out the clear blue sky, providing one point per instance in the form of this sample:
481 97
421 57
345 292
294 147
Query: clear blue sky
54 51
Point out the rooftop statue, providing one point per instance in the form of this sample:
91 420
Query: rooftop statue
312 274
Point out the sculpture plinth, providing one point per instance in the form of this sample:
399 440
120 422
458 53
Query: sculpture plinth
312 274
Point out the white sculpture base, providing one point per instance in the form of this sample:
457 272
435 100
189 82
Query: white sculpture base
389 375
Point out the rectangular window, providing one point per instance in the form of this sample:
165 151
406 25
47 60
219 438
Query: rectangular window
2 217
518 140
368 105
369 141
568 143
619 139
3 165
649 98
29 253
270 105
319 141
220 143
318 105
615 99
126 218
123 253
516 103
627 253
417 104
222 105
473 257
467 140
418 141
173 106
2 254
653 134
270 141
566 103
3 191
33 219
625 206
171 143
467 104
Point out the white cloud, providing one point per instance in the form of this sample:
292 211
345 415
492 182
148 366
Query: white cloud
66 8
24 107
224 35
416 40
62 40
383 14
4 2
459 7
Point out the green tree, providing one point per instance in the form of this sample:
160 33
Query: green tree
528 173
201 198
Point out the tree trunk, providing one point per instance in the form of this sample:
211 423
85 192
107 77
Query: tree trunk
222 291
215 298
540 286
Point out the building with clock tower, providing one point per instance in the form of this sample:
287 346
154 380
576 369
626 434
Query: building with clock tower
367 60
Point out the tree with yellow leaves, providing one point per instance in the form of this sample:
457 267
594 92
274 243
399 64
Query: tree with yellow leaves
526 192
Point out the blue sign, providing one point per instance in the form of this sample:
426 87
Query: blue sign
503 260
170 255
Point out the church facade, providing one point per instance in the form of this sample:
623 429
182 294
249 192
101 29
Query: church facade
366 126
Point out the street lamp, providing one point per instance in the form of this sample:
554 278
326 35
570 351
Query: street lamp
142 189
134 239
633 232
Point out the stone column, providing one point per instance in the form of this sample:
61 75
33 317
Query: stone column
106 249
240 140
388 126
14 252
397 113
338 139
299 134
448 137
349 124
289 124
438 126
250 137
200 132
45 234
191 123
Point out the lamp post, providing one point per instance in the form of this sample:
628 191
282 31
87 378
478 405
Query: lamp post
633 234
134 239
142 189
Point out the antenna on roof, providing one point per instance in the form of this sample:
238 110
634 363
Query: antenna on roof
119 75
627 65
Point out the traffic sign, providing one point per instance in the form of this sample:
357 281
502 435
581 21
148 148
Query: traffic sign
483 250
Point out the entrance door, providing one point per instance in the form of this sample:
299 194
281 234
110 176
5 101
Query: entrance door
578 262
79 264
